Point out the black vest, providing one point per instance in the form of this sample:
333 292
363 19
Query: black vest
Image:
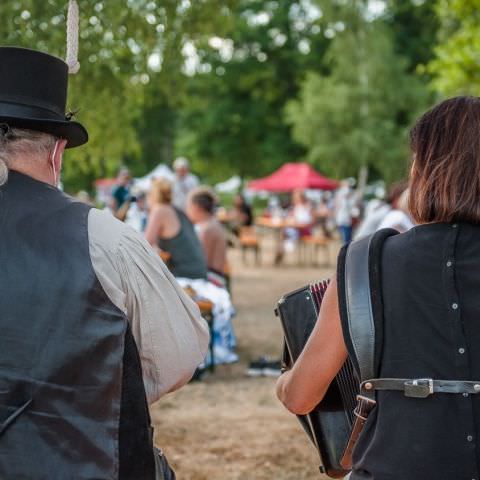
426 303
72 401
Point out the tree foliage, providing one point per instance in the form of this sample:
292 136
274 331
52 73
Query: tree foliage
118 38
233 121
242 86
414 25
357 115
456 68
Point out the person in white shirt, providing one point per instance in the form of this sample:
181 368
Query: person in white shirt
399 218
184 183
137 214
388 214
345 209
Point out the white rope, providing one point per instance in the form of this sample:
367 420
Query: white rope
72 37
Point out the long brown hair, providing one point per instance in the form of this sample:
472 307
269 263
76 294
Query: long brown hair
445 174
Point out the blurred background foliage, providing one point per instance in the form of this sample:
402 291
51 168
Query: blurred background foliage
242 86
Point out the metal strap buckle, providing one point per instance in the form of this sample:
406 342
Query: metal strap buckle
419 388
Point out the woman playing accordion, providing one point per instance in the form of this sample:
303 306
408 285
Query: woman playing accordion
425 416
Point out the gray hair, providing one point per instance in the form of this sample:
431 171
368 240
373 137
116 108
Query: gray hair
17 144
181 162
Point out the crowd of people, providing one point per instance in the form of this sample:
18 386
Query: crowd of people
182 216
346 213
178 219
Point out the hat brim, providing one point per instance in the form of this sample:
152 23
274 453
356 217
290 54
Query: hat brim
74 132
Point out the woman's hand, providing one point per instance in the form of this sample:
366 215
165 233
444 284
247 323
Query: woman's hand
302 388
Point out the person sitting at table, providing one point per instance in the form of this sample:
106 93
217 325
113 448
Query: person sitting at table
169 229
301 213
241 214
300 220
323 214
201 206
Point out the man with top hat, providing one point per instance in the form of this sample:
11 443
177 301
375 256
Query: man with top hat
93 327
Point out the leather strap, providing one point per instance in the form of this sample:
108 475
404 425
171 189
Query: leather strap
421 387
364 406
362 333
361 325
359 307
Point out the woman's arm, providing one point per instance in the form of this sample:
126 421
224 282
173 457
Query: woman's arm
303 387
154 225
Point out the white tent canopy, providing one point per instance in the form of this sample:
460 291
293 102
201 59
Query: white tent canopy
160 171
231 185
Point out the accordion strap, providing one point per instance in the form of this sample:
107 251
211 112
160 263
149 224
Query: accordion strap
361 324
361 268
361 327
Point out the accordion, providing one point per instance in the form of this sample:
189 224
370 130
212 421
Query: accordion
330 424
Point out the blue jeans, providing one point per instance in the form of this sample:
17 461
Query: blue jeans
346 233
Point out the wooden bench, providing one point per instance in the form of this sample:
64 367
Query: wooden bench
309 247
249 242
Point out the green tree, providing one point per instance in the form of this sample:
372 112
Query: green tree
118 41
456 69
166 94
357 115
414 25
233 120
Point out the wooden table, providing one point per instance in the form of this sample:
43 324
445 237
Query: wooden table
272 223
278 225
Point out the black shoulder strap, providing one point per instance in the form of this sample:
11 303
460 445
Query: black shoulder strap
358 299
359 305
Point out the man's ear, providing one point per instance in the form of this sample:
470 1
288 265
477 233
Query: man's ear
58 154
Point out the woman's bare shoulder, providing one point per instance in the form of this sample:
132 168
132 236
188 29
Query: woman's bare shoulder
162 211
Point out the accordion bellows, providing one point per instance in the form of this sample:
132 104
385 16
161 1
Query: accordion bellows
330 424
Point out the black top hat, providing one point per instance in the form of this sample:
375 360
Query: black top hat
33 94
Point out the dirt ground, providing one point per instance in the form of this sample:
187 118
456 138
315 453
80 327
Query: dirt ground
230 426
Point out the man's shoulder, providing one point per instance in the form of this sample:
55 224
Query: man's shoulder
106 230
215 230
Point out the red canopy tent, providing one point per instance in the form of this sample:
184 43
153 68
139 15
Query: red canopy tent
293 176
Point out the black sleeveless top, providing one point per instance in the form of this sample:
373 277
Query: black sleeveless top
427 298
72 401
187 258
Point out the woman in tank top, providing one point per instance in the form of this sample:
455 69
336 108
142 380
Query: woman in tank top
169 229
426 307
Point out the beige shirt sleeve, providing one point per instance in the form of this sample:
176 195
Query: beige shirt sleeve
170 334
